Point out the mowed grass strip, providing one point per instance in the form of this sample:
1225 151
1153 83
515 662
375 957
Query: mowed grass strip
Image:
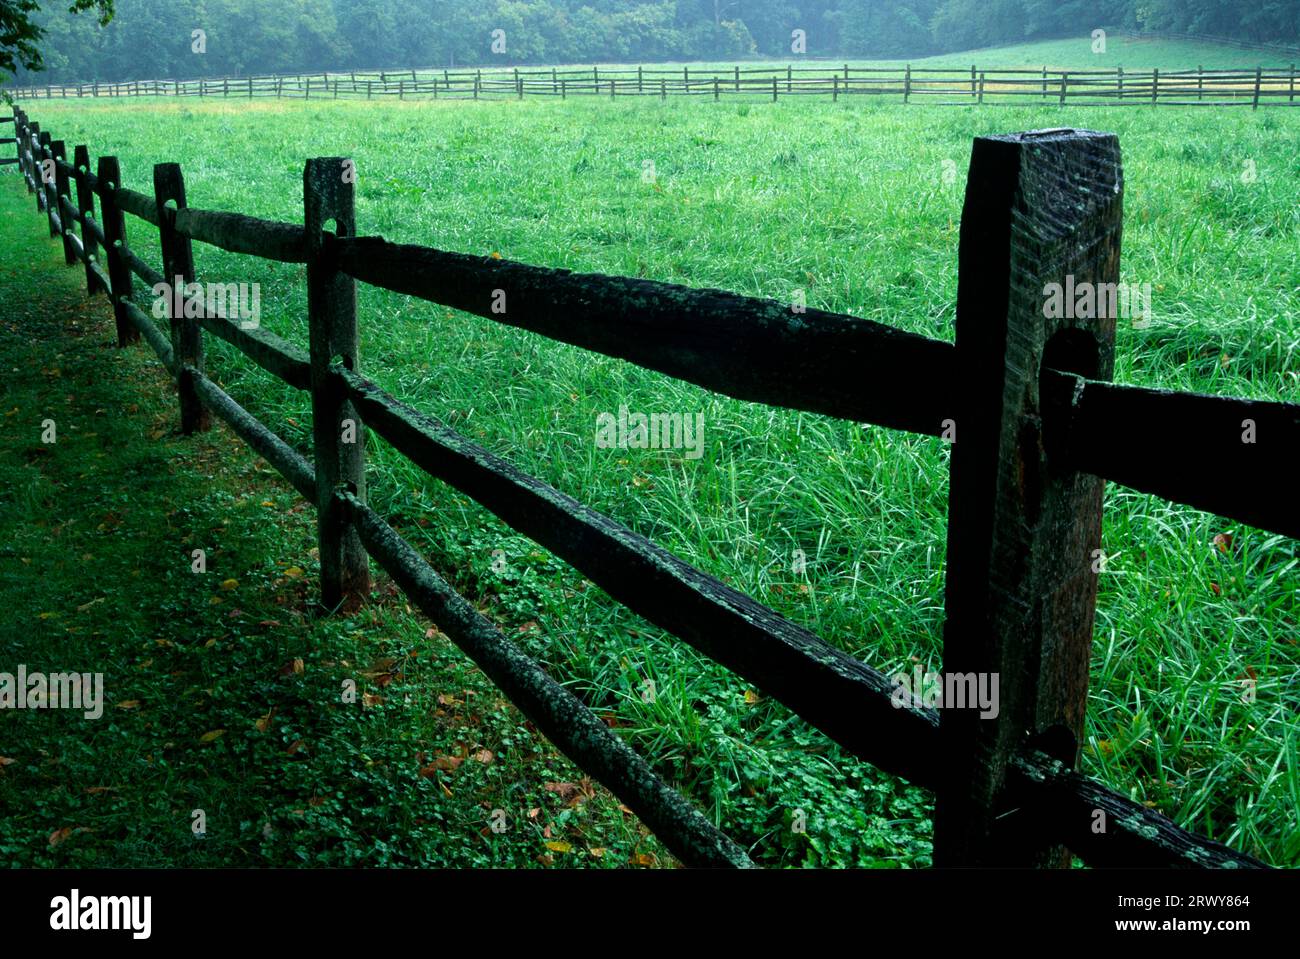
225 703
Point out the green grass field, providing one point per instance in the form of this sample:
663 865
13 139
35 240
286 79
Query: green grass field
859 206
1075 53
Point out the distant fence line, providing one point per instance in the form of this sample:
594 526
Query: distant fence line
1253 86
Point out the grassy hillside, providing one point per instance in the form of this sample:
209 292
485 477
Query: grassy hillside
1136 54
1067 54
859 206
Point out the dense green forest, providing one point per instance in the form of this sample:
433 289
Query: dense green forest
149 38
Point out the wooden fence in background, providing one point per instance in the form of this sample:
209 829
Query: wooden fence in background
1247 86
1038 426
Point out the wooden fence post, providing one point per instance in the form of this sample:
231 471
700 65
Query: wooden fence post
113 221
981 95
61 191
1291 96
1044 82
1022 528
25 148
19 133
1119 76
1155 86
23 134
47 181
1200 83
86 208
1259 75
972 80
29 156
1065 80
907 83
338 434
34 144
178 272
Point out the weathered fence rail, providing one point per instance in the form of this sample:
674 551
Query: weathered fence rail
1253 86
1040 430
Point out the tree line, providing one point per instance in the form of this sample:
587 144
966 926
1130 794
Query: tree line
195 38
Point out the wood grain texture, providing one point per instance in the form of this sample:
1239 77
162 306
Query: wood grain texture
1020 591
752 349
267 239
138 205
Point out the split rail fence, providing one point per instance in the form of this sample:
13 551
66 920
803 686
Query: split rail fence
1246 86
1039 428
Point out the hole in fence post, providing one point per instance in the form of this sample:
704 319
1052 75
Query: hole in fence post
1074 351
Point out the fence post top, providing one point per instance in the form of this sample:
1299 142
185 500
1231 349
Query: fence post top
1066 176
327 186
1050 133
